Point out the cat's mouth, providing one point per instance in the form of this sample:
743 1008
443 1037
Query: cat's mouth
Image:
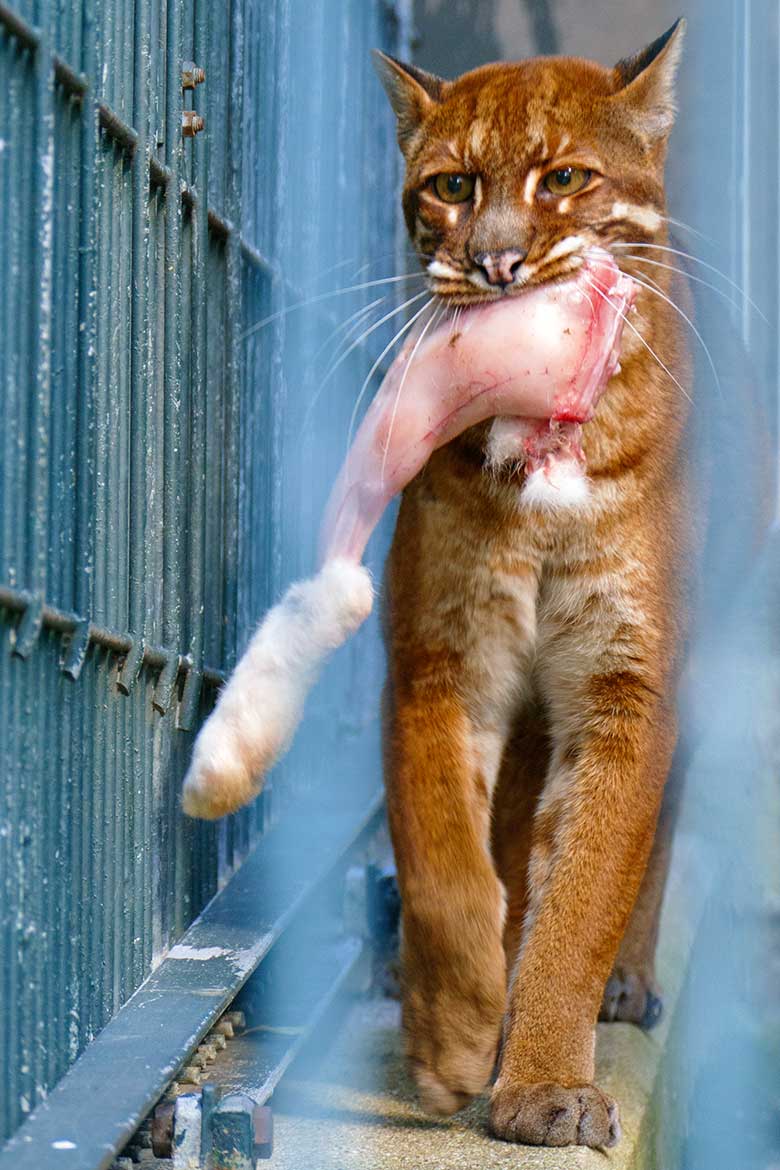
465 285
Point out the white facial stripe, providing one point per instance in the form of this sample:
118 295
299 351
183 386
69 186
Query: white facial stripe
531 183
565 247
443 271
477 137
643 217
477 192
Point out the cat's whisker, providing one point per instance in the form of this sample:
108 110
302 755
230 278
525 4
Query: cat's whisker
357 323
696 260
335 357
647 346
409 254
367 381
590 302
359 341
338 292
353 321
688 276
436 313
653 288
686 227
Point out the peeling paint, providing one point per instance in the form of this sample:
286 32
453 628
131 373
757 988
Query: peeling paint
199 954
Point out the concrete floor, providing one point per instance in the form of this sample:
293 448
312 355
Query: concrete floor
353 1108
356 1110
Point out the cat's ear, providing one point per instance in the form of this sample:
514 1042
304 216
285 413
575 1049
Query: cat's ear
412 92
648 82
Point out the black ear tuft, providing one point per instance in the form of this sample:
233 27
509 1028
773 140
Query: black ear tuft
647 82
391 72
631 67
412 92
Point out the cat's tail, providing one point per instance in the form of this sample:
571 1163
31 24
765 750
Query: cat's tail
261 705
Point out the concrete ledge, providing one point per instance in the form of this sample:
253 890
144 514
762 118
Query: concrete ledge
356 1110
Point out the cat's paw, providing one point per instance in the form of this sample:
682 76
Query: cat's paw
553 1115
631 997
451 1045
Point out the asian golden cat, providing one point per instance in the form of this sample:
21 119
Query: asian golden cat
534 647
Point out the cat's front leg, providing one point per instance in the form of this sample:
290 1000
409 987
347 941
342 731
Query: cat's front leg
594 826
454 982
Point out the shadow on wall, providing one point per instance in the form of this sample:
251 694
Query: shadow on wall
457 35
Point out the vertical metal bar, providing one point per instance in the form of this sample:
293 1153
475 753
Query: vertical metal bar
234 414
233 322
141 385
86 338
34 899
172 355
199 363
41 307
156 873
118 779
82 738
9 103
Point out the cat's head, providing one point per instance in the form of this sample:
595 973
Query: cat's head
513 170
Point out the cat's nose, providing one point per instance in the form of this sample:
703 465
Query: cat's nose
500 268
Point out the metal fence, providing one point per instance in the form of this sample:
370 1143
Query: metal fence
160 470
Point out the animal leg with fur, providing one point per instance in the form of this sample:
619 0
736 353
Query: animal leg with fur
613 740
632 994
454 982
520 782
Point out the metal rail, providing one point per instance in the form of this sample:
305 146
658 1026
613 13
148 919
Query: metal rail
36 615
98 1105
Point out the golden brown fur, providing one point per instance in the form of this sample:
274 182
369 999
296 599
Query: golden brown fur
534 654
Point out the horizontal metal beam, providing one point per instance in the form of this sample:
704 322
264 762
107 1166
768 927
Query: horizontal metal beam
99 1104
37 615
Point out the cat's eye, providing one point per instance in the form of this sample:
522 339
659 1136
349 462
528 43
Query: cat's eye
566 180
454 188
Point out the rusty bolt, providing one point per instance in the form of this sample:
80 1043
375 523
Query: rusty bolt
263 1125
192 75
162 1130
191 1074
225 1028
191 123
237 1019
218 1040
